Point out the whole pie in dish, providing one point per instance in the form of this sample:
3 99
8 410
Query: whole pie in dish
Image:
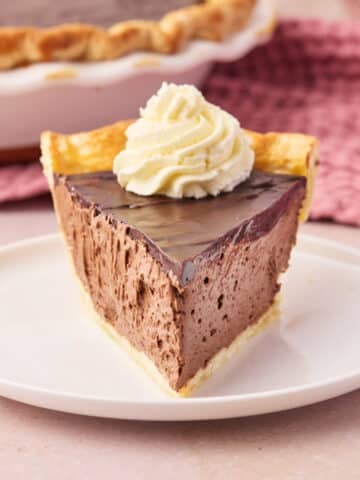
178 226
40 31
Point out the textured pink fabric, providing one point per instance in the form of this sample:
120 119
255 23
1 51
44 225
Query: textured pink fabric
306 79
18 181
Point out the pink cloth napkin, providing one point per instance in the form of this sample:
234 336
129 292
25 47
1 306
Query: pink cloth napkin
19 181
306 79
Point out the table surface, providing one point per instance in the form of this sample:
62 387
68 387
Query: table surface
317 442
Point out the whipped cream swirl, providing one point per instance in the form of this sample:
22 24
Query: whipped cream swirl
183 146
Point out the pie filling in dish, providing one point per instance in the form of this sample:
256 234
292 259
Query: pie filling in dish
178 226
34 31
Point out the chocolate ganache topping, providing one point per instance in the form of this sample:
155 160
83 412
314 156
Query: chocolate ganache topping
180 230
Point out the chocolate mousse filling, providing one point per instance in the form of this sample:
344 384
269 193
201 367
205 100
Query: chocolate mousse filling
179 279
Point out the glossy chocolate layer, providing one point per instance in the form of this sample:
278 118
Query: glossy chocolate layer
183 229
45 13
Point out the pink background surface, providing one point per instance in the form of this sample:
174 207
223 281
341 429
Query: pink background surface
320 442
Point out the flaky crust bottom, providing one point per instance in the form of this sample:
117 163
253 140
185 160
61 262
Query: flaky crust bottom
214 364
211 20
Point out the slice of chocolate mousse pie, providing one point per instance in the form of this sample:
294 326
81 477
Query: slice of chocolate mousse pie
178 225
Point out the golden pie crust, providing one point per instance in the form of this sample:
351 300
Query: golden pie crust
211 20
288 153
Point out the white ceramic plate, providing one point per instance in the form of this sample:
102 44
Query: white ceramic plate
53 356
70 97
